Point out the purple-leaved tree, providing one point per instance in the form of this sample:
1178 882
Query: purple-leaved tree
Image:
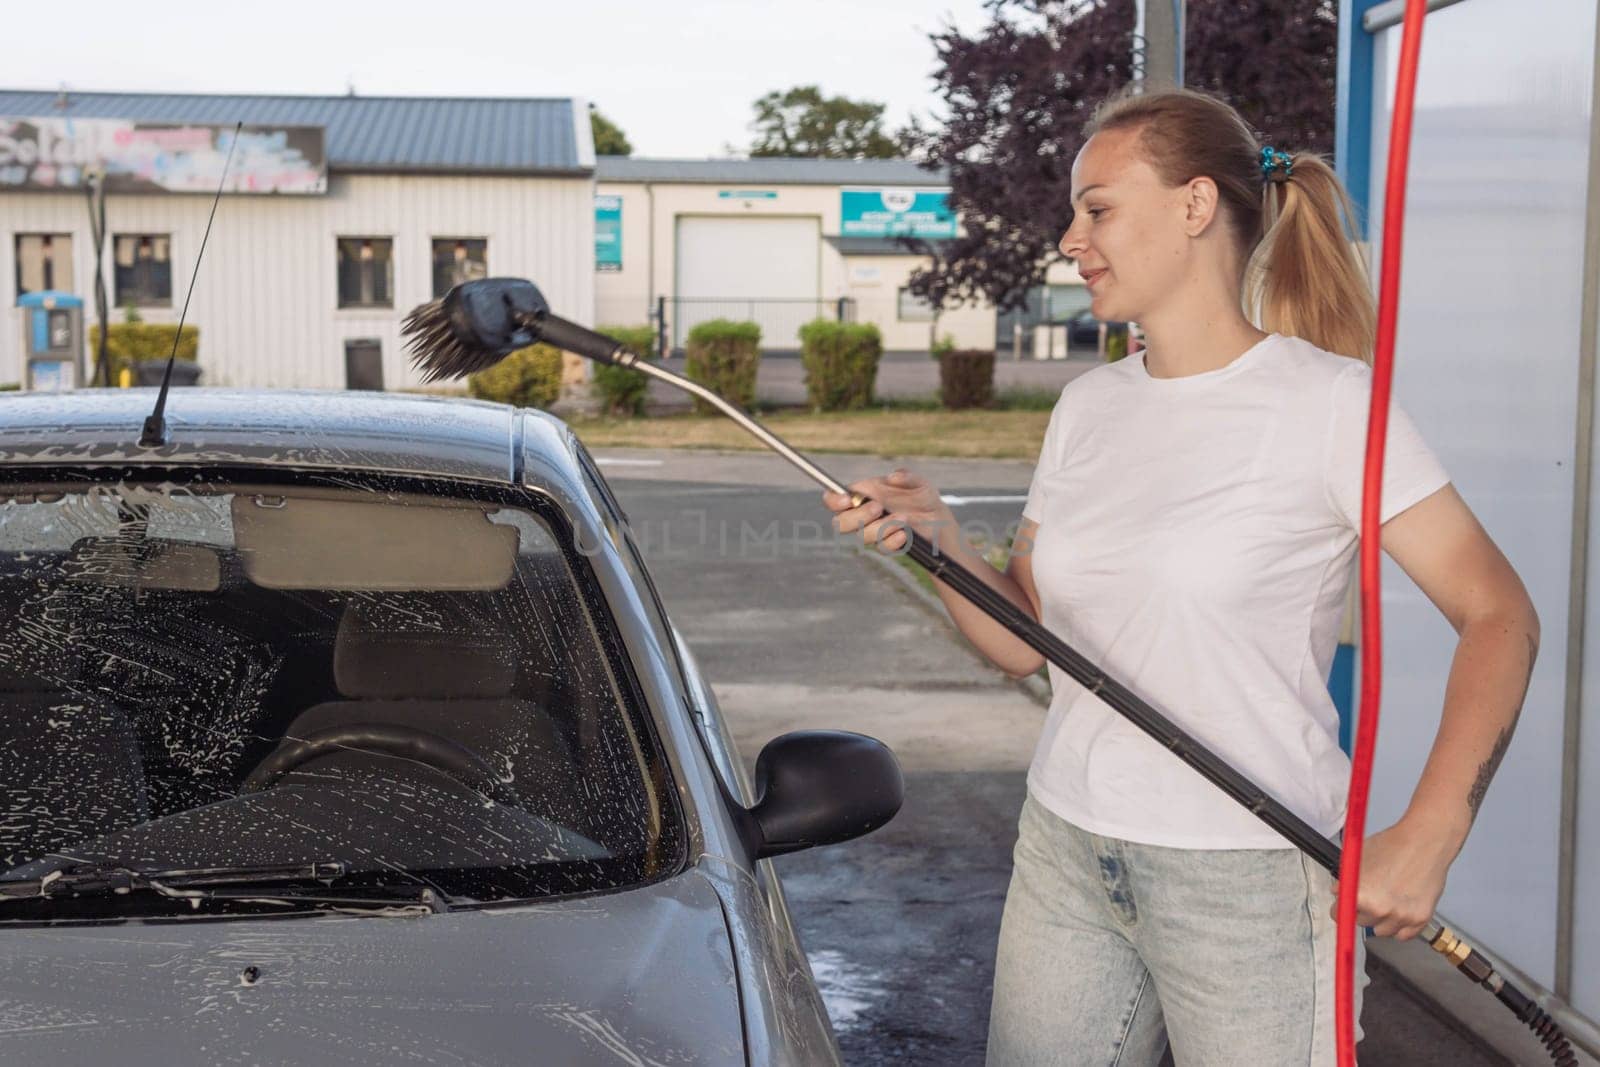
1019 92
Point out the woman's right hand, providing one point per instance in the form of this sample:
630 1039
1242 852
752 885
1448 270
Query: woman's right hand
895 501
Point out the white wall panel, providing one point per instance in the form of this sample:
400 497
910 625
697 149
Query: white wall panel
266 302
1487 364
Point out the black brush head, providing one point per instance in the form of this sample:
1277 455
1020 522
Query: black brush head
473 327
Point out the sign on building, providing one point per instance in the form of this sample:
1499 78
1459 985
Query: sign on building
151 157
607 233
896 213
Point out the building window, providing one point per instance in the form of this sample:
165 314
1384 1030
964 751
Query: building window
913 308
44 261
366 272
143 269
457 260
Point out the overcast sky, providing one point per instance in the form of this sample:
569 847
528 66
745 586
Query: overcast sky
678 77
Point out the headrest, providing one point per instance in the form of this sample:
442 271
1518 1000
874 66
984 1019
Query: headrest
421 651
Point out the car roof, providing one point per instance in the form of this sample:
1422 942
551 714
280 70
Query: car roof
319 429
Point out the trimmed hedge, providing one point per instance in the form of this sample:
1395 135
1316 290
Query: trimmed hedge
621 390
966 378
1116 344
722 356
128 343
841 362
527 378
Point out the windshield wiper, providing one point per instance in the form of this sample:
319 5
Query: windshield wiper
264 884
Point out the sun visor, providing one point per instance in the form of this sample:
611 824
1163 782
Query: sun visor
288 542
145 564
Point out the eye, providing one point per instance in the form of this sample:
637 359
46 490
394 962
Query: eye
1095 212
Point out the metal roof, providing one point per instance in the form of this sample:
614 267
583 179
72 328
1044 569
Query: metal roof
769 170
398 433
365 133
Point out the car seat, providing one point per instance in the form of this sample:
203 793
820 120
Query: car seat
440 667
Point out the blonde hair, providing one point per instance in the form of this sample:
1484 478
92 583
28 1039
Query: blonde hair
1301 274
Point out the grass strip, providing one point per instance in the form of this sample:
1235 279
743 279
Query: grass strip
892 432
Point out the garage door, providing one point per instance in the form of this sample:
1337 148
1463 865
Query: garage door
764 269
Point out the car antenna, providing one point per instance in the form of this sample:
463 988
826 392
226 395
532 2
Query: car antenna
154 434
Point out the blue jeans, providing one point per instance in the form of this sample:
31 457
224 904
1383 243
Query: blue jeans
1109 949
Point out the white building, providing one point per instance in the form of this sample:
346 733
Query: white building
780 242
383 202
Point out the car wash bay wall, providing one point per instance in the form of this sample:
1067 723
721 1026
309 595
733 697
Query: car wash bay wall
1494 361
266 301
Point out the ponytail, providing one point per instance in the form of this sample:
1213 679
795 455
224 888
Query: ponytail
1302 276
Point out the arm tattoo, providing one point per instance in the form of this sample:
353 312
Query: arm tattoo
1486 769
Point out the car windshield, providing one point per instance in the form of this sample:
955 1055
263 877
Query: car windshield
421 688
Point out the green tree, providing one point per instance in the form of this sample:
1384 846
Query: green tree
803 122
609 140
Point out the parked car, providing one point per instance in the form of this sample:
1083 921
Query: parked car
1083 329
350 728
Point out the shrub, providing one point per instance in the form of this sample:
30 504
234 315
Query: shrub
966 378
621 390
944 344
527 378
128 343
841 363
1116 344
722 356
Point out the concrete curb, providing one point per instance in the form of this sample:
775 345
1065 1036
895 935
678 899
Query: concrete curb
1036 688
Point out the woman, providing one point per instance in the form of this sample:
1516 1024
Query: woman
1192 526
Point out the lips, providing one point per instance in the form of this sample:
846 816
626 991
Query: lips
1091 276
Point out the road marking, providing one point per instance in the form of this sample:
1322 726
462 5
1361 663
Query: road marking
613 461
957 501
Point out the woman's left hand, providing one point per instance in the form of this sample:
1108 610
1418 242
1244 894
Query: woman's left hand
1403 871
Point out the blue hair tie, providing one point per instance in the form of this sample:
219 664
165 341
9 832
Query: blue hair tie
1276 166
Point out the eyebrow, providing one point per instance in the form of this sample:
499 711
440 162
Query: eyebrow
1086 191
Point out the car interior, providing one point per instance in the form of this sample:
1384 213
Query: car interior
308 675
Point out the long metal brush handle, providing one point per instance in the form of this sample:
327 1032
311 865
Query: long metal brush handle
1468 960
999 608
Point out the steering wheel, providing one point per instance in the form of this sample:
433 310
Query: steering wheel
385 739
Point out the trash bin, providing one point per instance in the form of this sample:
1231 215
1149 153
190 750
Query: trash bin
149 372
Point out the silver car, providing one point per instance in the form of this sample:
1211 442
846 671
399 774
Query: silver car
349 728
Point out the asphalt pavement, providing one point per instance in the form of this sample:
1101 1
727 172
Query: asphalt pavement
798 628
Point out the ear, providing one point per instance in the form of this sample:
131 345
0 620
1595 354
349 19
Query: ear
1199 200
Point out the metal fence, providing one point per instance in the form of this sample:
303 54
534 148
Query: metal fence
780 318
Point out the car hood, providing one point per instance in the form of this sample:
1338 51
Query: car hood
641 977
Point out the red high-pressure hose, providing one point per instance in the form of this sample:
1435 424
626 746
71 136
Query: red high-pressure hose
1394 209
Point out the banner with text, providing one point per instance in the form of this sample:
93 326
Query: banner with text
149 157
608 233
896 213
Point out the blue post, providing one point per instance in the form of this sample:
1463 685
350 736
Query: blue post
1352 116
1352 159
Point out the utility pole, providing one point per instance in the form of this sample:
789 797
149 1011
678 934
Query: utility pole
1158 43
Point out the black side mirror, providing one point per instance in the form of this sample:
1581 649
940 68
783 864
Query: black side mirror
820 787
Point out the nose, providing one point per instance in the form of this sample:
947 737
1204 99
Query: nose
1072 244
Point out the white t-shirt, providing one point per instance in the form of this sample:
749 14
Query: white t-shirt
1197 537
